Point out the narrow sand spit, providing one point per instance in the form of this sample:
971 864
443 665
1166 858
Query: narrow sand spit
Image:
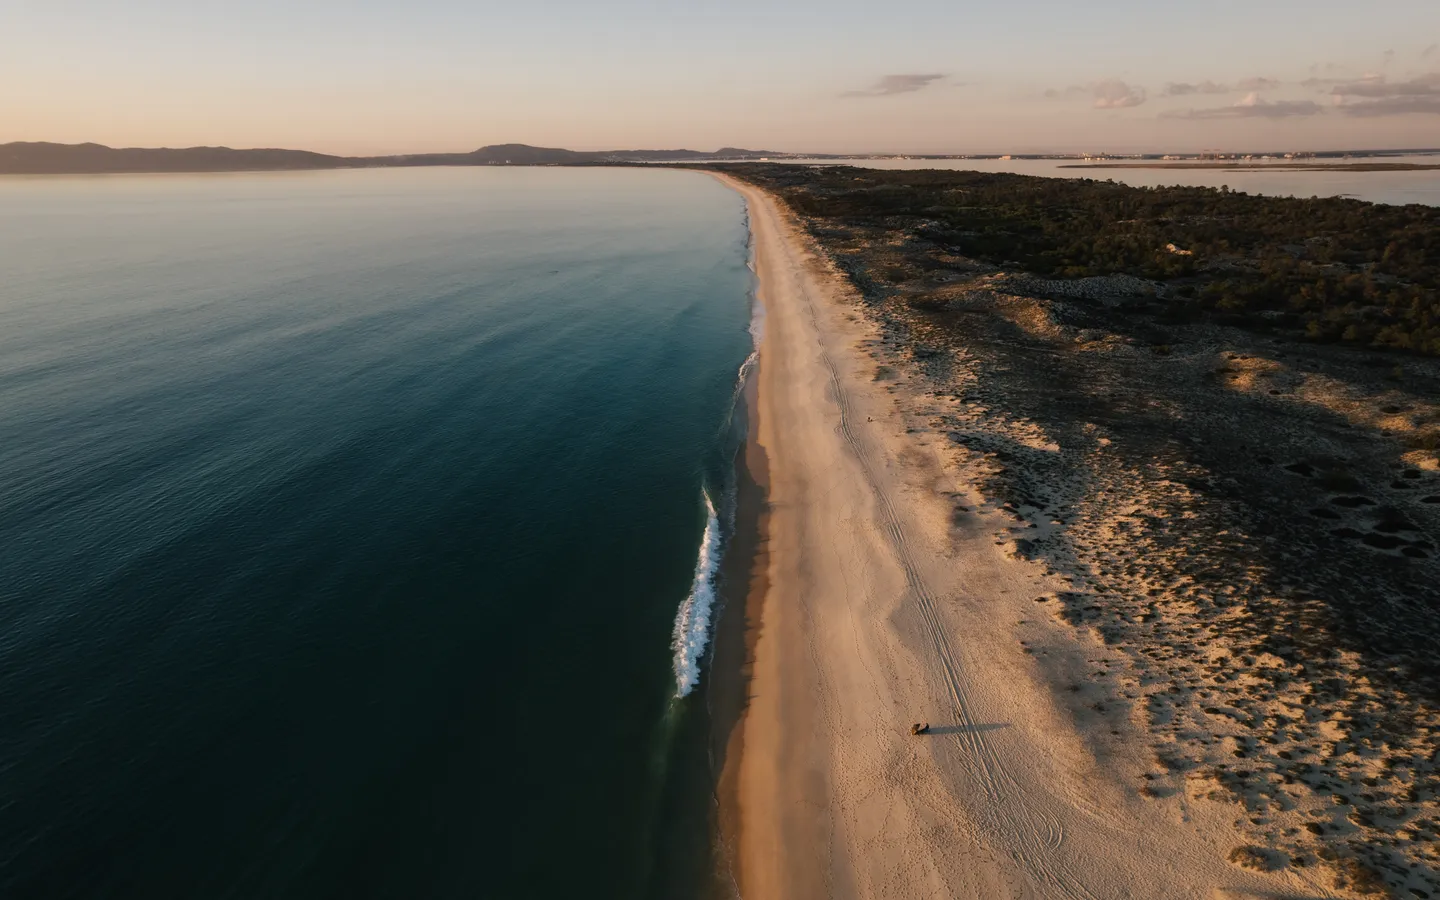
882 608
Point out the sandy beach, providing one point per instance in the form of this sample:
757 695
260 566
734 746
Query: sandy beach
889 593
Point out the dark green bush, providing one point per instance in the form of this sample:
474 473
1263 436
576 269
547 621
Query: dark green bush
1349 271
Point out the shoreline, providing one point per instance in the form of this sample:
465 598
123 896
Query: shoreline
743 588
885 592
764 823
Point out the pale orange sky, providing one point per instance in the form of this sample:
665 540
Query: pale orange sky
906 76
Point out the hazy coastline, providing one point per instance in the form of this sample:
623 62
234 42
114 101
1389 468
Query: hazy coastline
1380 176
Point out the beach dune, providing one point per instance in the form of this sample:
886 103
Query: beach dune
888 598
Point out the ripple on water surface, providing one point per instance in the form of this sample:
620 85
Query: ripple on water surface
347 518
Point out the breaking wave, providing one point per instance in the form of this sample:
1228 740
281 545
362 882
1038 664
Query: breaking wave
692 624
691 635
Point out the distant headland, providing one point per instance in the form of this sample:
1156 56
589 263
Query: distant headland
44 158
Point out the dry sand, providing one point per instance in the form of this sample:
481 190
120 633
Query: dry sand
881 606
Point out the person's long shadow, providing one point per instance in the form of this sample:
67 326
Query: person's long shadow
966 729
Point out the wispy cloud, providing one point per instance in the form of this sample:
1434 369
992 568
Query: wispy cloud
889 85
1425 54
1112 93
1251 107
1256 84
1393 106
1324 75
1378 86
1244 85
1185 89
1376 95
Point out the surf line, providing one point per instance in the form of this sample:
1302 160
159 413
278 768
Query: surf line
691 635
692 623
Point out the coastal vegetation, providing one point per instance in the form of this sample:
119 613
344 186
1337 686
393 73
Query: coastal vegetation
1333 269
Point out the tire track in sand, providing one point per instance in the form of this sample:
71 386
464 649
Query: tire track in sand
1035 832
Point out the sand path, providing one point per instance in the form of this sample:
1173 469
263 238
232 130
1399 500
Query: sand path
883 607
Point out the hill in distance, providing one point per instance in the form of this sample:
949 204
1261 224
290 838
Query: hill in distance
44 158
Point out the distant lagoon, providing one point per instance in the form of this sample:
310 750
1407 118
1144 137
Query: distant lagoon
1376 187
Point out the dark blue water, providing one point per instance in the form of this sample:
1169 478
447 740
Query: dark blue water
344 520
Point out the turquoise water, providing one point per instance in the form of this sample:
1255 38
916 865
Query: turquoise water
346 520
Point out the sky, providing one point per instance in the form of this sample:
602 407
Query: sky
839 76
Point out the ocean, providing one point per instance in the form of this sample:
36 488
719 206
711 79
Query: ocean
359 530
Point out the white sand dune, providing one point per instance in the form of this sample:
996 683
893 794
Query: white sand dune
882 608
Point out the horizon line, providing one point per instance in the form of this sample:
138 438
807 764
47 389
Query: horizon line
857 154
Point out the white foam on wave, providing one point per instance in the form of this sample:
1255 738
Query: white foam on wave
757 309
691 635
756 328
692 624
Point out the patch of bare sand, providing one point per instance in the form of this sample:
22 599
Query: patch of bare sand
889 601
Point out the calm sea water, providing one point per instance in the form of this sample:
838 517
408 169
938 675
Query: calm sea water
345 521
1377 187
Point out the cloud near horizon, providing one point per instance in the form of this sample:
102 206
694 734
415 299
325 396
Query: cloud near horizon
1381 97
889 85
1251 107
1185 89
1244 85
1112 93
1258 83
1393 106
1378 86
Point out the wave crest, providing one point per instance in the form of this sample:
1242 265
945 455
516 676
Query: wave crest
692 624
